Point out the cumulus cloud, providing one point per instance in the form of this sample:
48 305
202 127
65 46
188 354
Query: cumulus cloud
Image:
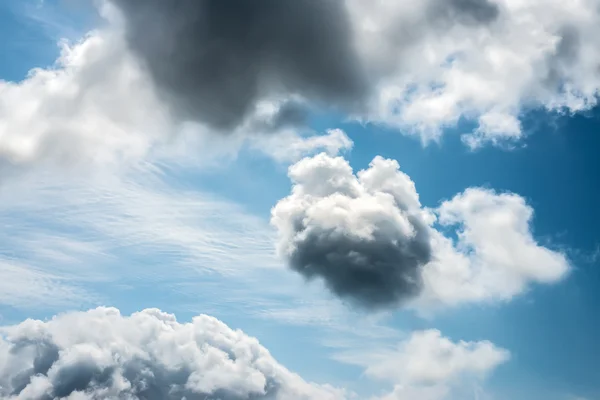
92 106
365 235
370 240
495 255
432 367
427 357
485 61
101 354
429 366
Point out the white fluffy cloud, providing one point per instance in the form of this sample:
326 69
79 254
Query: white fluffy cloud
495 255
426 365
484 60
368 237
427 357
101 354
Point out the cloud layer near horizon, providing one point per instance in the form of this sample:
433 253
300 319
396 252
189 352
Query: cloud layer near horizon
373 243
102 354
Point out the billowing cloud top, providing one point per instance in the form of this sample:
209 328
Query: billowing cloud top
368 237
366 234
101 354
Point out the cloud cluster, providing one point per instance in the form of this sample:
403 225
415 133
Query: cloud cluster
159 68
213 61
418 67
101 354
487 61
366 235
495 255
369 239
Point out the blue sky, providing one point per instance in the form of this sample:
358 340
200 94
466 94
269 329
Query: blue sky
189 233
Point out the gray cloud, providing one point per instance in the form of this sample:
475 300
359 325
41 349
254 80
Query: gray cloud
567 53
213 59
364 235
466 11
100 354
372 273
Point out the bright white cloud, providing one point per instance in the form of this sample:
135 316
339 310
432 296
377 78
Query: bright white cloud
428 358
94 106
385 247
485 60
427 365
288 146
101 354
495 256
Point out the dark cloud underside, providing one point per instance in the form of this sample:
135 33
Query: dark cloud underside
371 274
213 59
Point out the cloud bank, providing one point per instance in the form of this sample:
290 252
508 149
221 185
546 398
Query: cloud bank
369 239
187 69
101 354
365 235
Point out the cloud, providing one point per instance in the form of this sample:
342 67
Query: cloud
214 61
290 147
24 285
77 113
365 235
101 354
484 60
368 238
97 108
428 358
495 255
427 365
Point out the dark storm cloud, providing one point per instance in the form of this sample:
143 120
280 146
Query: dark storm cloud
212 59
377 273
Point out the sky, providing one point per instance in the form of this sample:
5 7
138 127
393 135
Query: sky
298 200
